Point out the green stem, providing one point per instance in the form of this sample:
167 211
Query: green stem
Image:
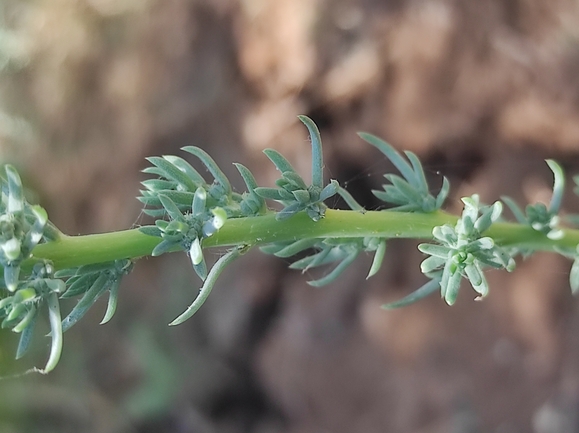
72 251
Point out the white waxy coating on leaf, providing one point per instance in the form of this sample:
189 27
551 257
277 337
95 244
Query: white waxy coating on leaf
195 252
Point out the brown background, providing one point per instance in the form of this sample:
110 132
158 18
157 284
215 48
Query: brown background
482 91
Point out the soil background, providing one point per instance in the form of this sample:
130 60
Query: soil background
481 91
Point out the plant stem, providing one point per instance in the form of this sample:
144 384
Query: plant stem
72 251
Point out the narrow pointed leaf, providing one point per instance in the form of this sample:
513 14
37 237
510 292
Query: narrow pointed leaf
350 201
443 193
171 208
317 154
87 301
211 166
335 273
201 270
378 259
289 211
558 186
574 277
273 248
205 290
112 302
403 167
55 334
154 185
80 285
434 250
321 258
165 247
15 193
35 234
150 231
329 190
452 288
26 338
271 193
294 179
419 179
278 160
427 289
431 264
186 168
170 172
199 201
26 320
11 275
296 247
414 196
302 196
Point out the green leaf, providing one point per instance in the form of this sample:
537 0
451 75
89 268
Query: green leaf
289 211
317 154
112 302
55 334
302 196
171 208
452 287
213 168
558 186
11 277
154 185
574 277
431 264
350 201
427 289
210 281
320 258
273 194
419 181
26 338
294 180
199 202
170 172
251 184
150 231
26 320
329 190
378 259
278 160
165 247
273 248
434 250
335 273
296 247
15 192
80 285
98 287
443 193
186 168
403 167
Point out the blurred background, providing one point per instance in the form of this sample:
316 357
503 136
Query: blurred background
482 91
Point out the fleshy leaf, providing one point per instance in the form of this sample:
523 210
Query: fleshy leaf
427 289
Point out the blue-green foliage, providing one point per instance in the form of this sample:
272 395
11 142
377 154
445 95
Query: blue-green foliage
27 292
195 208
292 191
540 217
409 193
462 251
91 282
188 209
22 227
